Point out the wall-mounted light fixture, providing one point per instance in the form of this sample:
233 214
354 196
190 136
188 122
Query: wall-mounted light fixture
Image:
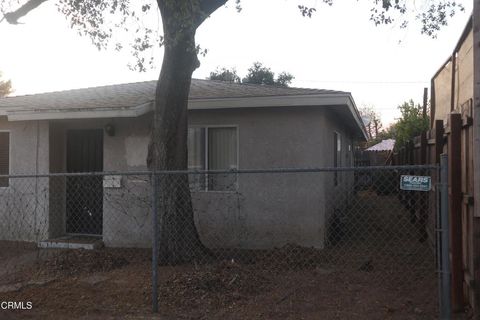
110 129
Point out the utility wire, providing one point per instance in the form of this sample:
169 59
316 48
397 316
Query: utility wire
364 82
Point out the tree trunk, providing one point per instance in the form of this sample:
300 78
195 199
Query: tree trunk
376 122
179 240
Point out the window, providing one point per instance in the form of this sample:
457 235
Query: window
196 156
212 148
4 157
337 155
348 156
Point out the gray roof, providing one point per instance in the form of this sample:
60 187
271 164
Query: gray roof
136 99
134 94
384 145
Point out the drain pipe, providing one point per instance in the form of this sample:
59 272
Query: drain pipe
445 282
37 151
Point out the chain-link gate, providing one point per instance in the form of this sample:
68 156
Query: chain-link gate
358 225
335 242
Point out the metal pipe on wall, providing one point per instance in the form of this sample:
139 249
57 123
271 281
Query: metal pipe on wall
445 285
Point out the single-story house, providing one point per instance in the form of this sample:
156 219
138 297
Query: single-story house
230 126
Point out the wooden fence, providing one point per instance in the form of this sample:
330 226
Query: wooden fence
455 138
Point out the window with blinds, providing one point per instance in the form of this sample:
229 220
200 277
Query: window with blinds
4 157
213 148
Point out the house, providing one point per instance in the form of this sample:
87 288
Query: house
231 126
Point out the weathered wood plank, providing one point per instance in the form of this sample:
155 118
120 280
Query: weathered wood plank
455 206
476 99
439 132
475 300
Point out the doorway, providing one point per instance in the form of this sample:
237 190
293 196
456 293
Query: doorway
84 194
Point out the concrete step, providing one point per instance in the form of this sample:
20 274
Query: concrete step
72 242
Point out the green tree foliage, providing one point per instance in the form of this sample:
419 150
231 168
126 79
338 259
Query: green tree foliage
284 79
387 133
224 74
432 14
410 124
259 74
5 87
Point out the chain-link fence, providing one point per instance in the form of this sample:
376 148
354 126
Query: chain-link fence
336 243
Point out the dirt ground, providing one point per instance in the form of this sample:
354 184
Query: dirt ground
116 283
380 271
103 284
11 249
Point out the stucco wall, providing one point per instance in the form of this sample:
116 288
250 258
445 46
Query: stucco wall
267 209
24 205
126 210
337 197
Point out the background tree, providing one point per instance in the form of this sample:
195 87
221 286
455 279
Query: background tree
259 74
387 133
372 121
410 124
224 74
284 79
104 21
5 87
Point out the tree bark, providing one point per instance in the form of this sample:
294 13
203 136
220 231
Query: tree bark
179 239
12 17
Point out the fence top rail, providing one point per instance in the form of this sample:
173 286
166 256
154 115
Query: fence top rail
233 171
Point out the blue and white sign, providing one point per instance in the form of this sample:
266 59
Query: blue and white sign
416 183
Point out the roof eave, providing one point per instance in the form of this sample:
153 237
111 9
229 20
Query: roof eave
267 101
358 118
319 100
58 114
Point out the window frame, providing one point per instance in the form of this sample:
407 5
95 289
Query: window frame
9 157
350 153
337 157
206 128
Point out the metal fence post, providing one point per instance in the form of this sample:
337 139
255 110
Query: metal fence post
445 298
154 244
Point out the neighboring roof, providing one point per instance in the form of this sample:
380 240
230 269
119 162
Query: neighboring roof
385 145
135 99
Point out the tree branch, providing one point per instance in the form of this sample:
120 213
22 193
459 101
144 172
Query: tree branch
209 6
12 17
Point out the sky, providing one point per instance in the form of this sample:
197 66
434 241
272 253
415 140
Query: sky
338 48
